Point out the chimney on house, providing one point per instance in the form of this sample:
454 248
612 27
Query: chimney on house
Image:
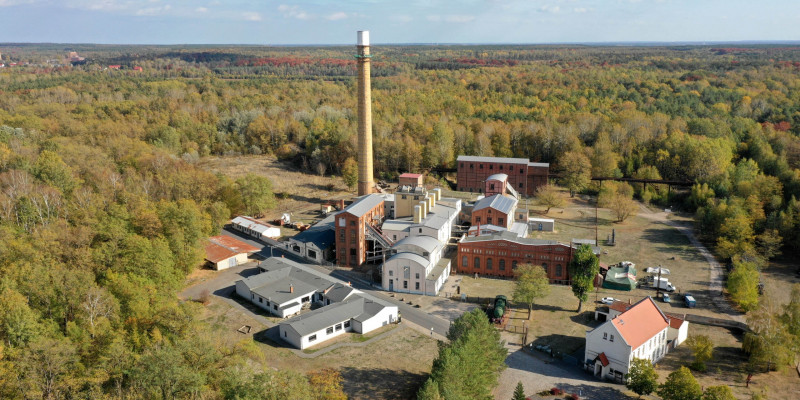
291 288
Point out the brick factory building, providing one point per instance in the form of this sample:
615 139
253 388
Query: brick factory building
352 225
500 253
524 176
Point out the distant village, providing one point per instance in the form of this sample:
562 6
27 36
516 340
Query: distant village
71 59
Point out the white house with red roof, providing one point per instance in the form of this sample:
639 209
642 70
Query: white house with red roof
639 332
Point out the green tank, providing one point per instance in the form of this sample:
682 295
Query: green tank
499 306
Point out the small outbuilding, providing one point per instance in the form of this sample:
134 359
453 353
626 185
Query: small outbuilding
255 228
224 252
541 224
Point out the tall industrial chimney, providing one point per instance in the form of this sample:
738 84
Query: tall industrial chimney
365 182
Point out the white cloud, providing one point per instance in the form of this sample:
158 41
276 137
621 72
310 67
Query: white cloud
459 18
251 16
201 9
150 11
550 9
336 16
293 12
9 3
579 9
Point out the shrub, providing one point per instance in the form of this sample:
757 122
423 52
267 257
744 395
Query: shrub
556 391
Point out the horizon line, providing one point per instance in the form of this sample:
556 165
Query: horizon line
586 43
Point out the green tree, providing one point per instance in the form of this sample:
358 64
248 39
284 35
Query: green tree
718 393
549 197
743 285
48 366
519 392
619 198
680 385
702 349
530 283
583 269
257 195
769 343
470 365
429 391
52 170
18 323
642 377
577 171
164 372
350 173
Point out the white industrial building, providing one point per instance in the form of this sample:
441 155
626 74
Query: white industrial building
640 330
255 228
416 266
434 217
286 288
315 244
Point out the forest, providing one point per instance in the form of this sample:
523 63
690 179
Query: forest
103 208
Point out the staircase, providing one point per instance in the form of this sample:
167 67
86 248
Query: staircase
382 243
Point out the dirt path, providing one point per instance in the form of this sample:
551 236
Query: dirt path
716 276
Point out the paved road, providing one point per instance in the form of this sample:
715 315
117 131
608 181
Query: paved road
221 285
537 375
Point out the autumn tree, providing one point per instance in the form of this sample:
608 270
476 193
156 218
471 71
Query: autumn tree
769 343
577 171
350 173
619 198
583 269
680 385
530 283
257 195
743 285
327 384
718 393
702 349
549 197
642 377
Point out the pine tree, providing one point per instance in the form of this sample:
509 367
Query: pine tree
519 392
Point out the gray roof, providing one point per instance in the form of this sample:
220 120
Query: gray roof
584 241
498 202
364 204
438 270
338 292
411 257
280 274
512 237
539 164
396 225
494 159
321 235
497 177
427 243
324 317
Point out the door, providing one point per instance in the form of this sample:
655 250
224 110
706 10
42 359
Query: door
391 285
232 262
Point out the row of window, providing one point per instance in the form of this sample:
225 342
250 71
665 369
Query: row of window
405 272
330 330
605 337
559 271
491 166
500 221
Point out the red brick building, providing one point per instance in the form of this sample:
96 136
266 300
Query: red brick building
500 253
494 210
409 179
351 228
524 176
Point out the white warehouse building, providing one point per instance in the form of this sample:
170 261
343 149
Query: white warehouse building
416 266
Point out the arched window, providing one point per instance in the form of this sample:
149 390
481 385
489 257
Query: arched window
558 270
544 265
502 264
477 263
488 263
514 264
464 262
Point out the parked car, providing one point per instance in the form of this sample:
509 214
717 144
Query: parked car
608 300
665 298
689 300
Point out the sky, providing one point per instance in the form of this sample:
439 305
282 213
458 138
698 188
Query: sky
285 22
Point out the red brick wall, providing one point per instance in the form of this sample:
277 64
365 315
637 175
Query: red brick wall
472 179
509 252
537 176
351 236
491 216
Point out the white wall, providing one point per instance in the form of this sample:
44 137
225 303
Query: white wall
243 291
396 266
617 352
225 264
386 316
322 336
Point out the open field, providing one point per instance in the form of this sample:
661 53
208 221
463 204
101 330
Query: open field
391 368
296 191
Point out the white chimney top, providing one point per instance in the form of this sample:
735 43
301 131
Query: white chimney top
363 38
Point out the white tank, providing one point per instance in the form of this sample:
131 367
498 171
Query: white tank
363 38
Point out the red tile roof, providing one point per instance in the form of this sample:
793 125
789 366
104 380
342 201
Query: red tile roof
410 175
641 322
620 306
676 320
603 359
220 248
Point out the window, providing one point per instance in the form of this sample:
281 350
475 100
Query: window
612 338
352 223
405 284
514 264
502 264
352 252
394 238
416 275
489 220
312 338
471 166
346 324
306 299
520 185
480 166
477 263
403 197
352 235
605 335
501 167
275 307
558 270
284 334
544 265
464 262
521 171
391 272
416 285
338 327
341 235
329 330
491 186
477 220
312 254
488 263
500 221
491 166
420 230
